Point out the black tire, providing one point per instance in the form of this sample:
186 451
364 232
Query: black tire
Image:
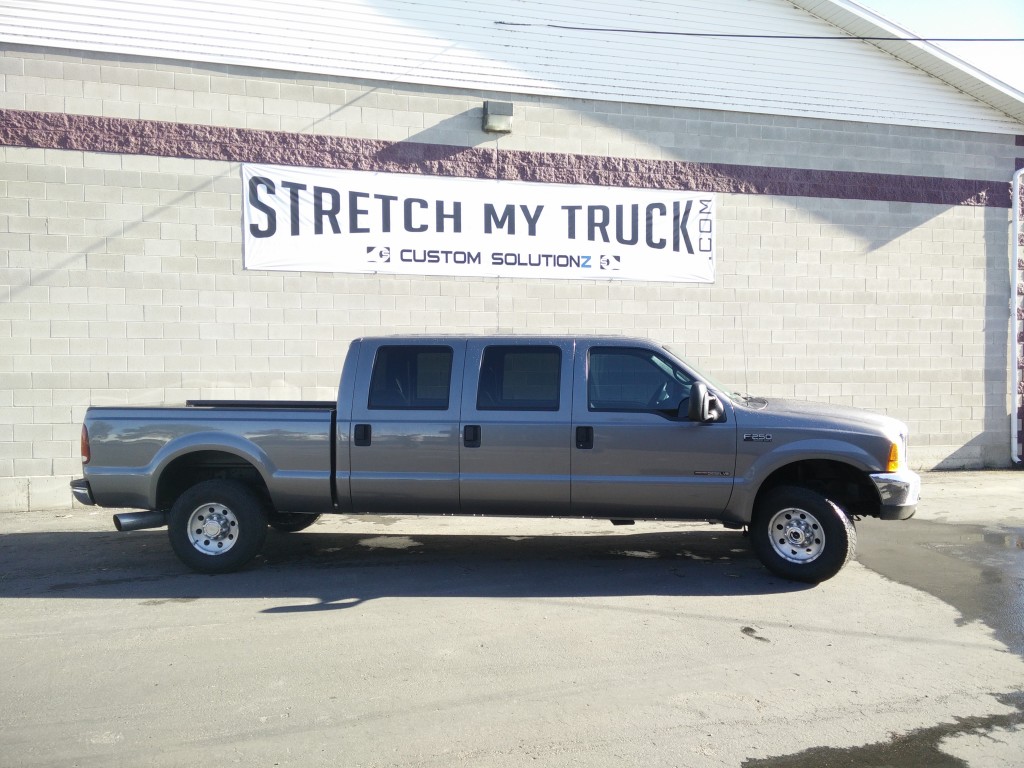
291 522
799 534
217 526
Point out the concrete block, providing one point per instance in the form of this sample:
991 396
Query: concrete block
14 493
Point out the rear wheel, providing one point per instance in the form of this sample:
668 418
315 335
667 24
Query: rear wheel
291 522
799 534
217 526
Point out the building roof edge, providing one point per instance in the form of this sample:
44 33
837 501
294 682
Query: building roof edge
860 21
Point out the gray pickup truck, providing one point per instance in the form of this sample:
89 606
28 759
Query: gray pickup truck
594 427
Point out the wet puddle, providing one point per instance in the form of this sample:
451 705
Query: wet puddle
977 570
917 749
389 542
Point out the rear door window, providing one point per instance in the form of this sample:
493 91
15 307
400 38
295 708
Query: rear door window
519 378
411 378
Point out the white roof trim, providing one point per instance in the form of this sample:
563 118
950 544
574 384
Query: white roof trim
863 22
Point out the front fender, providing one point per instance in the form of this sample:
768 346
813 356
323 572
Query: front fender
753 470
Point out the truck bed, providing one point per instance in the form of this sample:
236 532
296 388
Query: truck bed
290 444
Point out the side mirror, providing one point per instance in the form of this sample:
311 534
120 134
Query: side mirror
704 406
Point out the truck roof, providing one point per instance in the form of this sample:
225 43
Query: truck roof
511 337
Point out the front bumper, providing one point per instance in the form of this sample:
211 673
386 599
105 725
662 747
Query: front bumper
82 492
900 492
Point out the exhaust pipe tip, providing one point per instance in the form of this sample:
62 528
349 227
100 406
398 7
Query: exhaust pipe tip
137 521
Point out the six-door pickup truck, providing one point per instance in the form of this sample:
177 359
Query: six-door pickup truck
594 427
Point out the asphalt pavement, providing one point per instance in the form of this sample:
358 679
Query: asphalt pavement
502 642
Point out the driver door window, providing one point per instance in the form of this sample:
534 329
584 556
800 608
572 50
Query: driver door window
634 380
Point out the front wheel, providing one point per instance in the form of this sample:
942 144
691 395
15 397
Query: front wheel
217 526
799 534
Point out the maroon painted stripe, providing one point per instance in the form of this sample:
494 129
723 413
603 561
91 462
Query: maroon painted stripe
53 130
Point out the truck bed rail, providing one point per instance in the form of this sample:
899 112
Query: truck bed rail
305 405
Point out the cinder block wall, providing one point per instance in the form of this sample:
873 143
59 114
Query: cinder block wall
121 276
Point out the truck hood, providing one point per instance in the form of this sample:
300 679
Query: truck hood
825 416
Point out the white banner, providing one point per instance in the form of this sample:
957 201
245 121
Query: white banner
321 220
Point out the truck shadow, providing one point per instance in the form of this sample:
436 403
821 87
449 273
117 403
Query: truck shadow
316 571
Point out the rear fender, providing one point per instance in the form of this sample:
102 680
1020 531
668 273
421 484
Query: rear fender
209 441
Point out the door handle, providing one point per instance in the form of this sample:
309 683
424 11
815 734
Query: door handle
471 435
584 437
363 435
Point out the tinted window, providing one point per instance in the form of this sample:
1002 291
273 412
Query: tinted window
519 379
634 380
411 377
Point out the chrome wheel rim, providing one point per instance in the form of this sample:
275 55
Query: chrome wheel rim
796 535
213 529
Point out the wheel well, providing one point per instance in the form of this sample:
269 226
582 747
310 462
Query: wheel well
192 468
843 484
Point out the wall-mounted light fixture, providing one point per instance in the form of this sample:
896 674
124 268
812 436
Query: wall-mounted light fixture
498 116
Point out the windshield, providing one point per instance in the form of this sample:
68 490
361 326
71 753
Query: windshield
722 387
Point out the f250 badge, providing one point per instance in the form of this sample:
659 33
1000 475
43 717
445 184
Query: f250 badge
757 437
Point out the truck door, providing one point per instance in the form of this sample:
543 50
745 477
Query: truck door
633 456
404 433
516 432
